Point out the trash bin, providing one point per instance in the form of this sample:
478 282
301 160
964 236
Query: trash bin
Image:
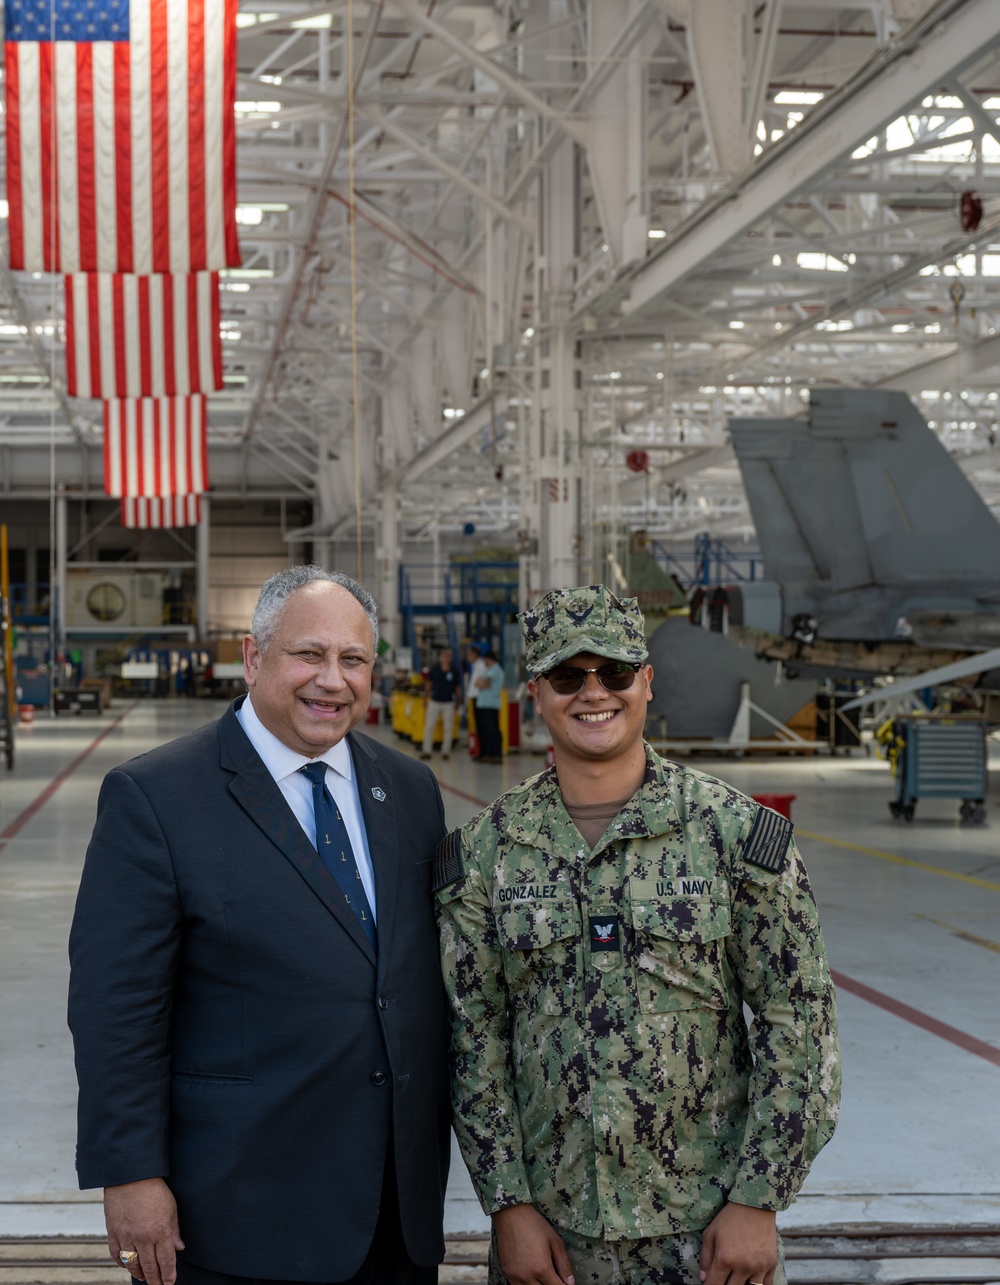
780 803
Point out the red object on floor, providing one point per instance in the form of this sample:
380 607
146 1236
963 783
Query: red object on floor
473 743
780 803
513 725
550 755
372 715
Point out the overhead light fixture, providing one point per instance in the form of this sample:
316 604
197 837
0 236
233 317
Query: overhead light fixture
256 107
797 97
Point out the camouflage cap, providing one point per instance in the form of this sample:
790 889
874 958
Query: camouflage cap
567 622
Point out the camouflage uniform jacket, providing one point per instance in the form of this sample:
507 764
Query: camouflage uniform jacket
602 1067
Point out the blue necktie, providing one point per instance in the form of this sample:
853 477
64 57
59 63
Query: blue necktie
334 846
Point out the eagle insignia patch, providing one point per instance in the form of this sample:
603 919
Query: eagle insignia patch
604 934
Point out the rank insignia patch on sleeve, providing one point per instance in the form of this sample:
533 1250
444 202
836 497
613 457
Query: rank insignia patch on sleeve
448 864
767 843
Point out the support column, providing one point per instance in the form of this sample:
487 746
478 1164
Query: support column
387 559
715 44
61 555
616 153
202 552
321 557
551 495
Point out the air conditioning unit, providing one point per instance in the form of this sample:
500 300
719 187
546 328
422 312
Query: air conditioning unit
118 599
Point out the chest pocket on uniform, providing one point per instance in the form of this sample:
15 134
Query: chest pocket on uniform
540 943
680 953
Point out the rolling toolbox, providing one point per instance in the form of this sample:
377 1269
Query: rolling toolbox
940 758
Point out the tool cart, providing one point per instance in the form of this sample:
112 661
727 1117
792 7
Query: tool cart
938 758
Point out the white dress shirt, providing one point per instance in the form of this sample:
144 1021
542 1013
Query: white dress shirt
478 671
284 763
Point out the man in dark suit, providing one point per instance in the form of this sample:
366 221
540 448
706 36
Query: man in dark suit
260 1033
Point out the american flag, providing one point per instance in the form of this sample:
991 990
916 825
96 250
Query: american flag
121 140
156 446
152 336
179 510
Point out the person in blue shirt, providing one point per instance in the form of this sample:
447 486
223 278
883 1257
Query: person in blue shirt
489 685
443 689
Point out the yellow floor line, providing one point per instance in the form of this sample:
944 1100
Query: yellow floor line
961 932
900 861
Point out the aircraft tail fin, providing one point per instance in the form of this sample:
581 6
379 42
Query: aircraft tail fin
862 493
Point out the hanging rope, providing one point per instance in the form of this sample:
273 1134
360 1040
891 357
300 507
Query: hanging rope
354 284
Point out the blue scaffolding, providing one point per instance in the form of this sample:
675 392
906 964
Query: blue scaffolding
472 598
711 562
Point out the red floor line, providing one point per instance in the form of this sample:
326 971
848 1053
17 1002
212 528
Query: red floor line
945 1032
38 803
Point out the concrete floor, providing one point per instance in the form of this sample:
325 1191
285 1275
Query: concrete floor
911 915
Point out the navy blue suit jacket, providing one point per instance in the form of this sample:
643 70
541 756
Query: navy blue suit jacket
235 1033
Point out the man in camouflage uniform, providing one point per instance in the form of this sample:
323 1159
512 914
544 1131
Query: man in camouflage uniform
602 926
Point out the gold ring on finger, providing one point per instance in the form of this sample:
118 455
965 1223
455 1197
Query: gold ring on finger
129 1257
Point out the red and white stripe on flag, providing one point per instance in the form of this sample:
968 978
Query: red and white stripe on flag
152 336
121 152
154 512
156 446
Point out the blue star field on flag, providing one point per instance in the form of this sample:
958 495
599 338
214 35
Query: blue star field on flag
71 20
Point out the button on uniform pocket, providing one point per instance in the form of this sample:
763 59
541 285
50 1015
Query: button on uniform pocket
680 953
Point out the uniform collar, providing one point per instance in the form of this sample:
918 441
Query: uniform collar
544 818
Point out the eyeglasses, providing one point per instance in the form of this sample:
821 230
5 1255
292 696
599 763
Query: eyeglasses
615 676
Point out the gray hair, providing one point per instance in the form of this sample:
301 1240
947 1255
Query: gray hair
277 589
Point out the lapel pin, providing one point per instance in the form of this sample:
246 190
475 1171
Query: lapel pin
378 793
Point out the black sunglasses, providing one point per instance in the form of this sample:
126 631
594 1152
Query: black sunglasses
615 676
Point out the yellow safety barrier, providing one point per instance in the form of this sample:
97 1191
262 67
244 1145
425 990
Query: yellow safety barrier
406 717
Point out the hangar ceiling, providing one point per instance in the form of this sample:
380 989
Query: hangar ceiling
581 229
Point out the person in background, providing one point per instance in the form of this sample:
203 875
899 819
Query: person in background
490 686
602 926
443 690
474 668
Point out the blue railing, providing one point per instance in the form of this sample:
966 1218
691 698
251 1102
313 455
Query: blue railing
710 562
22 610
477 591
